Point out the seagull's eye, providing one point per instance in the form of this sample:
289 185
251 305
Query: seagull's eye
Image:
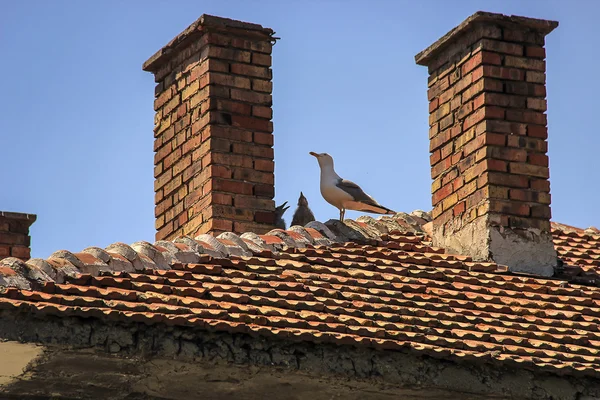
325 154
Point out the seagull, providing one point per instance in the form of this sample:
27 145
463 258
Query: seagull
344 194
303 215
279 211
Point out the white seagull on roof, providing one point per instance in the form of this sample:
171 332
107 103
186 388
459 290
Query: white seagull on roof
342 193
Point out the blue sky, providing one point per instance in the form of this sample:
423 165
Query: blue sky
77 110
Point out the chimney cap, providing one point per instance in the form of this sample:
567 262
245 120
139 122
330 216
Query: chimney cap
196 28
539 25
20 216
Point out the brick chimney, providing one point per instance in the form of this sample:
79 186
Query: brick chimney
14 234
488 131
214 169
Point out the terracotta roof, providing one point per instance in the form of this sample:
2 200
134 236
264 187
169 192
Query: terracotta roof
374 283
579 249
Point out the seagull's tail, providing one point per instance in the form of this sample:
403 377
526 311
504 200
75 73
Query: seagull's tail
374 208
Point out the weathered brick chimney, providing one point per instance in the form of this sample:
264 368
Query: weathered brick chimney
14 234
488 131
213 131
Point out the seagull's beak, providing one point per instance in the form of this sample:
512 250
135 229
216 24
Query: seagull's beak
312 153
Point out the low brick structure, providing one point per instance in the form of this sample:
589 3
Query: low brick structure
213 133
14 234
488 131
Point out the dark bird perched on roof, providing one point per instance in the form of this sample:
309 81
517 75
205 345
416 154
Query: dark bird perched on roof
279 211
342 193
303 215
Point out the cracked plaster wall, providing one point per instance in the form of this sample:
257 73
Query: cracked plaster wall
181 363
522 250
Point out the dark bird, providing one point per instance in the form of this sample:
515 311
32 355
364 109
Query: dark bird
344 194
279 211
303 215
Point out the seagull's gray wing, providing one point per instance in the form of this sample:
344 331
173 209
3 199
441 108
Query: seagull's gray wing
360 196
356 192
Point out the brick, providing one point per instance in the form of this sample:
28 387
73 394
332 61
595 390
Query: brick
253 150
541 211
251 70
538 159
542 185
450 176
437 89
172 185
215 78
440 167
435 157
227 159
22 252
465 110
4 251
510 207
261 85
525 89
495 192
264 217
447 121
251 175
262 112
163 98
252 97
182 164
482 57
264 165
217 224
535 51
225 185
530 117
219 211
467 190
14 238
228 54
537 104
162 180
165 231
438 114
254 203
261 59
163 206
476 198
525 63
502 47
529 169
264 191
535 77
439 140
508 154
226 132
449 201
524 195
242 227
499 178
441 194
493 139
528 143
174 156
503 73
433 104
475 171
459 208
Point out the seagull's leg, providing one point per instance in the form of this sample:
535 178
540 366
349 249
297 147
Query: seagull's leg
342 214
